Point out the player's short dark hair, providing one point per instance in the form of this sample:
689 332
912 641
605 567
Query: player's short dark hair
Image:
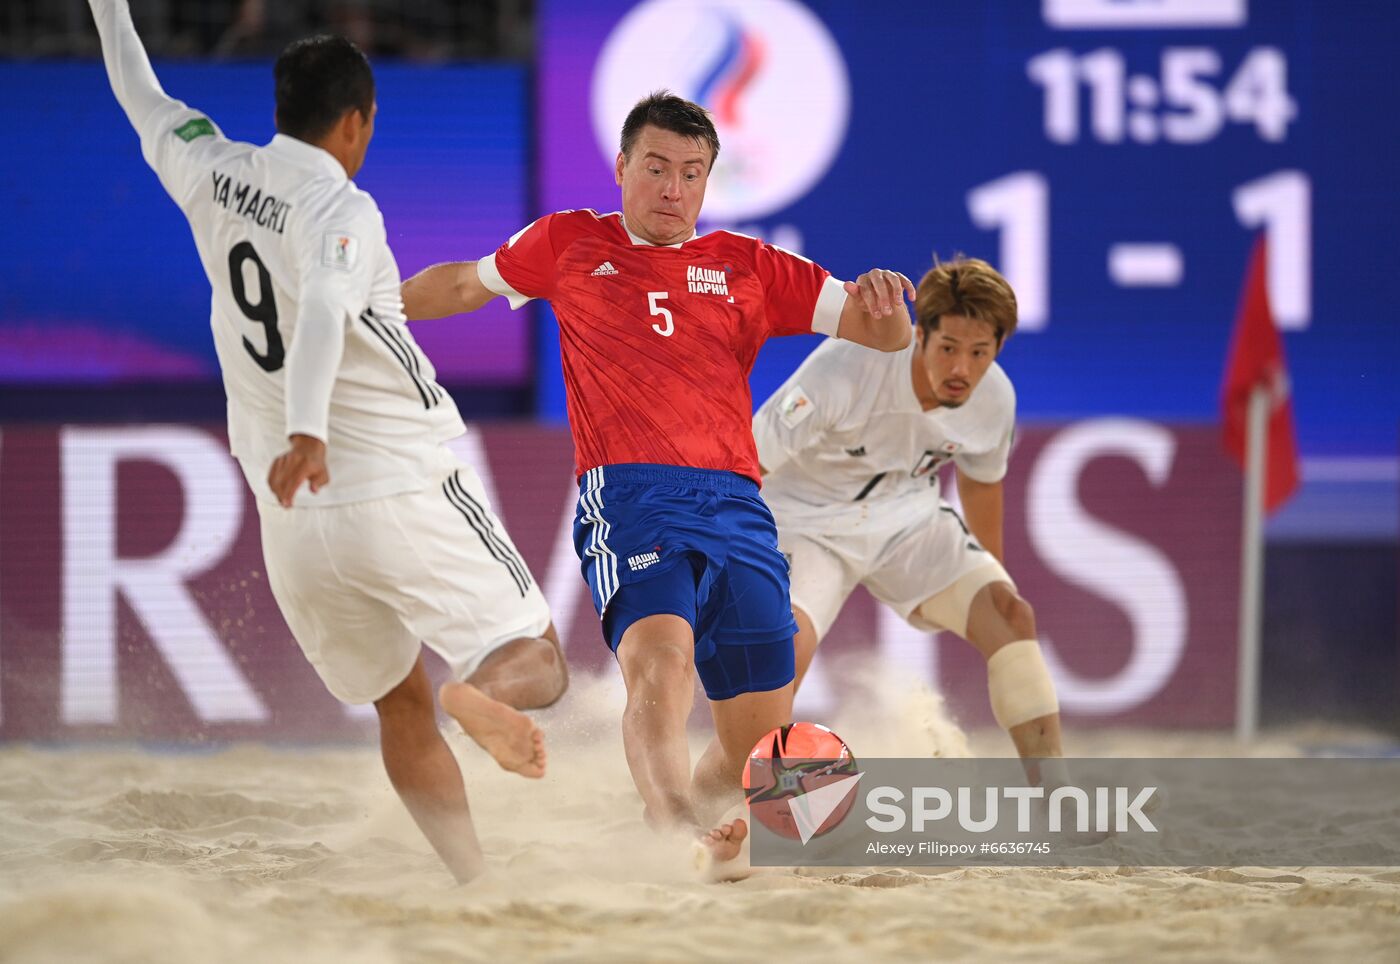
319 79
969 287
665 110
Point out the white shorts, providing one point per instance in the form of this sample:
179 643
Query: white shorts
901 569
360 585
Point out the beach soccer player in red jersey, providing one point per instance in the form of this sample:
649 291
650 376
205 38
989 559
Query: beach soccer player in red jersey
658 328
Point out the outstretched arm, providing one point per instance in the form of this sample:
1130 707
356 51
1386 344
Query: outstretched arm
444 289
175 140
875 314
128 67
982 505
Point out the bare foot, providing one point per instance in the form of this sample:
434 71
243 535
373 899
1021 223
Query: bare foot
508 735
721 854
727 840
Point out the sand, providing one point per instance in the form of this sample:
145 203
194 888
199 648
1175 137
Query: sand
257 853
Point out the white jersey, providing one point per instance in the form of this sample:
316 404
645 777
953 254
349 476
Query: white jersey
847 446
307 317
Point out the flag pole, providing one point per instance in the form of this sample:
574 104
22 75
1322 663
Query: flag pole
1252 565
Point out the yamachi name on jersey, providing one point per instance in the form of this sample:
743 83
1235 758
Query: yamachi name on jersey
266 211
707 281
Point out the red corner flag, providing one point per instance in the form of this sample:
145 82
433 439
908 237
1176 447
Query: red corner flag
1256 358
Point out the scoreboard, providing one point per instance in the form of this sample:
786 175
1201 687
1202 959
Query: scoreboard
1114 158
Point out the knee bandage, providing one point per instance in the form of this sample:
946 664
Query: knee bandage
949 609
1020 684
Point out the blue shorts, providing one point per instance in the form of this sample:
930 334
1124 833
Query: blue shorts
695 543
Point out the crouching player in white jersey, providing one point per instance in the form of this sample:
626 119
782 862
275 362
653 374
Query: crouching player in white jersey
391 541
850 448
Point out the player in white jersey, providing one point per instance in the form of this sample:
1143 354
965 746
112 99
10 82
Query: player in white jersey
852 445
392 540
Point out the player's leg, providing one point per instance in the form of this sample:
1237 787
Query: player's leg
527 673
316 559
820 582
746 656
425 773
639 532
711 780
524 673
1001 625
714 782
750 689
656 655
936 576
460 585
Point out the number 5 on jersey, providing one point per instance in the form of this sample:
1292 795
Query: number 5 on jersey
652 298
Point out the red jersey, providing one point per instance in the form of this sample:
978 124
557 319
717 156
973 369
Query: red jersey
657 342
